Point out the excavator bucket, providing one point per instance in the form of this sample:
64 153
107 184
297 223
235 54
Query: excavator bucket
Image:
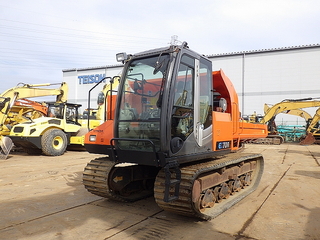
6 145
308 140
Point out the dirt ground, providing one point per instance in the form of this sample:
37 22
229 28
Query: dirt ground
43 198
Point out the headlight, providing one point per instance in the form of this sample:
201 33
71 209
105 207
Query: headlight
121 57
92 138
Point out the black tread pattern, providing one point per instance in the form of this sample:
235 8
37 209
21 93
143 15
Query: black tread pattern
96 177
47 142
185 206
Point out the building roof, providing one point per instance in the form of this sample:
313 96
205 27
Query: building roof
92 68
265 50
299 47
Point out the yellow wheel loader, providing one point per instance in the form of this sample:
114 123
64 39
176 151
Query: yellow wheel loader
52 134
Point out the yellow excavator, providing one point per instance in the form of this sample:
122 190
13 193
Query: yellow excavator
9 102
312 130
51 134
287 106
295 112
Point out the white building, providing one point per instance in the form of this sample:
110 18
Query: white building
259 76
82 80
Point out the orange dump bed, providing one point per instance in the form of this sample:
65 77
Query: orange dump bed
227 125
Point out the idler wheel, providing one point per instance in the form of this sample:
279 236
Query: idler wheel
206 200
225 191
216 191
245 179
235 185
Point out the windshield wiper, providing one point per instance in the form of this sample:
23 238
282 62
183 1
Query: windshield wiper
159 101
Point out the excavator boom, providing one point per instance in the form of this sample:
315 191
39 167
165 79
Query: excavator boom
287 105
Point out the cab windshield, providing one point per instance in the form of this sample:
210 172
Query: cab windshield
140 107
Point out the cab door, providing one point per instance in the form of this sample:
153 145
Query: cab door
191 123
203 102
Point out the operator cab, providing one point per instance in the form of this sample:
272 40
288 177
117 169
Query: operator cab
164 106
67 111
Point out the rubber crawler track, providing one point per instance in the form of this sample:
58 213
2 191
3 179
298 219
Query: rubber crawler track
95 179
185 206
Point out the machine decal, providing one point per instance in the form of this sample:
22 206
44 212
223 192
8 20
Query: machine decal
223 145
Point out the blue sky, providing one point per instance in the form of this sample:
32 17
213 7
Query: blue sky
40 38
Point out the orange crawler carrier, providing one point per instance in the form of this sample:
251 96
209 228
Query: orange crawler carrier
174 135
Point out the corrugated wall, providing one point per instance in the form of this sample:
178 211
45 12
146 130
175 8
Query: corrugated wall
272 76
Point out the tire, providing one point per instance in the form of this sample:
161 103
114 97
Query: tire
54 142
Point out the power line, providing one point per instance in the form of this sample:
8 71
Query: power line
47 53
74 39
83 31
72 46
